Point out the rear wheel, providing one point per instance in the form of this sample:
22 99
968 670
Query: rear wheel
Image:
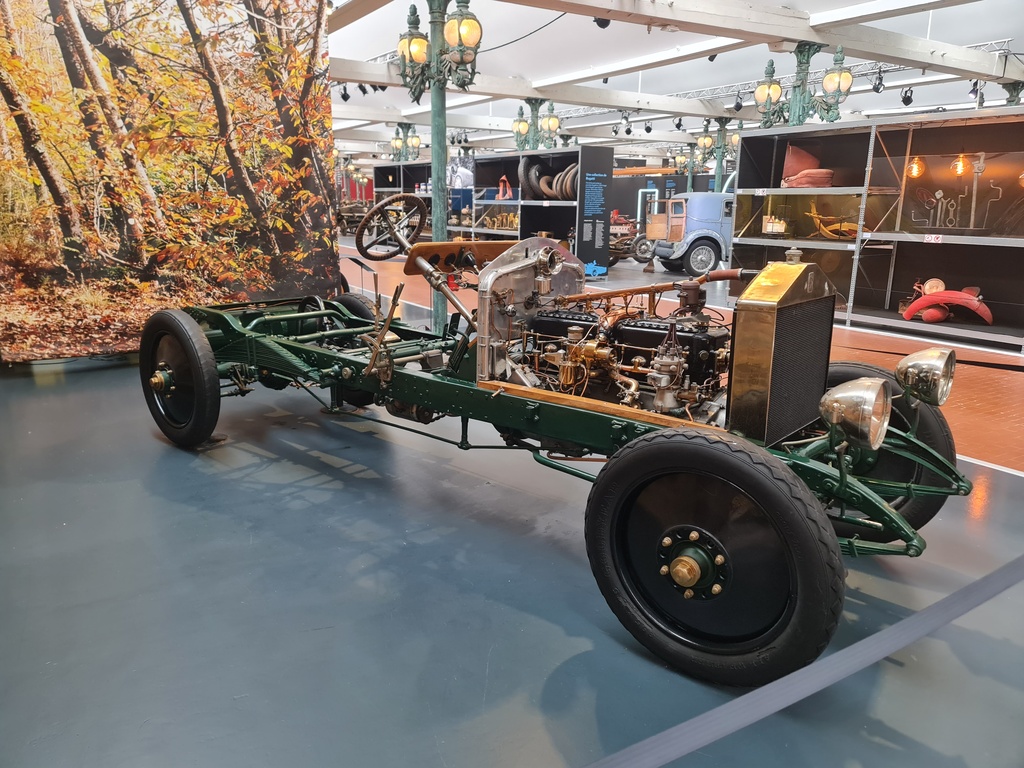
932 430
643 249
715 556
673 266
179 377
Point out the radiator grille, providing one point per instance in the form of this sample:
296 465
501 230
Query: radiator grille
803 340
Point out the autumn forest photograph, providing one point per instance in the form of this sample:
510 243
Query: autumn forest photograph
157 155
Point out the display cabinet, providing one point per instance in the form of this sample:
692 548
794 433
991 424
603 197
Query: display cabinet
888 205
558 193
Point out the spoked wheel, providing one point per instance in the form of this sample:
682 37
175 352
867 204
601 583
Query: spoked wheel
391 227
643 249
715 556
179 377
932 430
701 257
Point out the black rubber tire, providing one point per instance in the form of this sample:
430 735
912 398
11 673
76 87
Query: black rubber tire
783 596
642 249
359 305
187 414
932 430
697 259
673 266
613 258
379 224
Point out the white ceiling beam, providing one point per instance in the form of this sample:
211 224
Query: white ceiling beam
350 12
676 55
393 116
638 137
776 24
875 10
349 70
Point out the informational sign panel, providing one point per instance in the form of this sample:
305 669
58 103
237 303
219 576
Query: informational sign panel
593 216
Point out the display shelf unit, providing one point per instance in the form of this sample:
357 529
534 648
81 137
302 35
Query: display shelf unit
912 198
583 221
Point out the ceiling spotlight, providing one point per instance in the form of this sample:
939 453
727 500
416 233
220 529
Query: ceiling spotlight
973 93
374 88
363 89
382 88
647 127
615 130
738 105
629 129
344 93
678 123
878 86
602 23
712 57
604 80
907 96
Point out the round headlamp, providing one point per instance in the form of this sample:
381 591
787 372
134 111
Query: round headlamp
861 409
928 374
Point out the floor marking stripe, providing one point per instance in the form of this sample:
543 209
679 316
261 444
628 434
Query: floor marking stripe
669 745
990 465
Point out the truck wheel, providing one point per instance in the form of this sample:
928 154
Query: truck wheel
359 305
672 266
715 556
932 430
701 257
179 377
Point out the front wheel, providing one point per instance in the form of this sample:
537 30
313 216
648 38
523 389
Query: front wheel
179 377
932 430
715 556
701 257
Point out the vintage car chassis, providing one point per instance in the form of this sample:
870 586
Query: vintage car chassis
712 547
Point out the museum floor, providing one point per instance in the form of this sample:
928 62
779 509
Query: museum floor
322 591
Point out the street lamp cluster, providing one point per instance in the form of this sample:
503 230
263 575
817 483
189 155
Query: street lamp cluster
421 64
406 143
803 103
531 133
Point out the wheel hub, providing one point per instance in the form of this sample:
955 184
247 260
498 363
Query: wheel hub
694 561
162 379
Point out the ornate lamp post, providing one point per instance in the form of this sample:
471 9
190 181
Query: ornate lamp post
688 162
448 55
531 132
406 143
717 147
803 103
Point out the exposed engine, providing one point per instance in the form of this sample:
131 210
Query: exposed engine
538 329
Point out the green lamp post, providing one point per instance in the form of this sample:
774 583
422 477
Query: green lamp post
688 162
449 55
803 103
531 132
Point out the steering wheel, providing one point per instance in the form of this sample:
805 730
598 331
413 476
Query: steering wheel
391 227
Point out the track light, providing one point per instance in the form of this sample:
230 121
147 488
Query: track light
678 123
878 86
907 96
615 130
647 127
374 88
712 57
602 23
973 93
382 88
363 89
604 80
629 129
738 105
344 93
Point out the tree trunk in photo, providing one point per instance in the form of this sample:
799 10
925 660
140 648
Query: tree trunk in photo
126 221
226 129
68 20
313 222
72 240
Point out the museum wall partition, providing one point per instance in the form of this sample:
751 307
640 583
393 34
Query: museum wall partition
177 156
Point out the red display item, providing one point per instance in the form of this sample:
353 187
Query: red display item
943 298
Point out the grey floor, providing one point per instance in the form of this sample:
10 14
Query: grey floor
322 591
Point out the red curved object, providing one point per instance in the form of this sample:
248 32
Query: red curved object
935 314
957 298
